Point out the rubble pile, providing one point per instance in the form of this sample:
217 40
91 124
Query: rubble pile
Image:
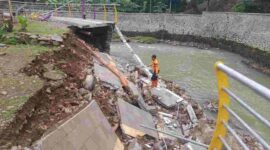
73 77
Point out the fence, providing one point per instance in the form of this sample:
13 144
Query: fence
224 111
107 12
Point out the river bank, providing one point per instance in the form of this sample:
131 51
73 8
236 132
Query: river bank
257 59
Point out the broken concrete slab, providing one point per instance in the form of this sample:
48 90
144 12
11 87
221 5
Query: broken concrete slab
192 114
88 129
134 89
166 98
132 118
144 106
106 76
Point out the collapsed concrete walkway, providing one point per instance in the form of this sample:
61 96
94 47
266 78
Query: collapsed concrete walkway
88 129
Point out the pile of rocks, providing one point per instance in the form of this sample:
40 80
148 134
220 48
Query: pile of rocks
47 40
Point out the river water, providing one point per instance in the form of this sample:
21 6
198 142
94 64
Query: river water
193 69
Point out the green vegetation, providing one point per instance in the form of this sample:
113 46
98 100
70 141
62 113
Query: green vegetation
45 28
9 107
251 6
144 39
240 7
23 21
30 50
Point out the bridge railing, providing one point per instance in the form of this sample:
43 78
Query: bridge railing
224 111
107 12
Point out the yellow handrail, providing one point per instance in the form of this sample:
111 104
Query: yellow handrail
69 10
223 114
105 13
115 15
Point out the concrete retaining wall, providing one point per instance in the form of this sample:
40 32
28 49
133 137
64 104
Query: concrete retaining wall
252 30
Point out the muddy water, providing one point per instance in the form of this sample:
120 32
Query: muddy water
192 69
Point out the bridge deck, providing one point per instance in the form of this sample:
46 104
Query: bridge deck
82 23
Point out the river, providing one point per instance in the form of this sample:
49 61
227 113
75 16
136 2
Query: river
193 69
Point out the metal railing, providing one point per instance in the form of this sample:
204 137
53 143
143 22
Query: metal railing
224 111
106 12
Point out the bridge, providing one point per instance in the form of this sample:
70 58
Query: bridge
99 33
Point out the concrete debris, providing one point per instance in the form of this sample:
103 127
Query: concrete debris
166 98
148 146
2 45
211 106
56 38
134 145
83 91
145 80
167 120
54 75
106 76
191 146
144 106
3 92
192 114
3 53
89 82
134 89
166 114
158 146
171 127
132 118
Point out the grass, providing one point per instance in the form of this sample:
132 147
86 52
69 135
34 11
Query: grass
30 50
9 107
44 28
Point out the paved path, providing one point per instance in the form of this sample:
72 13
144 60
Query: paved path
82 23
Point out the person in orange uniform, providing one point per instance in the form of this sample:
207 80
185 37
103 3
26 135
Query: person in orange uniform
155 69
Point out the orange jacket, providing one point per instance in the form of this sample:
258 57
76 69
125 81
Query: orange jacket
155 66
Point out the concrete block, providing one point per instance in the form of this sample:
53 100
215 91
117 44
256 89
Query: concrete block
132 118
192 114
166 98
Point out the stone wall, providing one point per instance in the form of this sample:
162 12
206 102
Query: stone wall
252 30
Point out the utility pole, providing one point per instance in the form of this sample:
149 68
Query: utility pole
83 11
150 6
170 6
10 10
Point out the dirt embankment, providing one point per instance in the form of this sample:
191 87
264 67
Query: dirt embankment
59 98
